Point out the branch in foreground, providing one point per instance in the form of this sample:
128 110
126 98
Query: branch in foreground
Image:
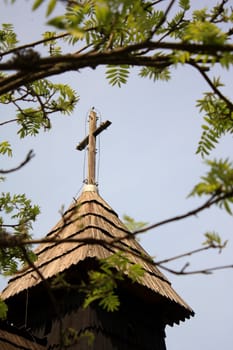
207 271
213 87
191 252
29 156
44 67
7 240
8 122
33 44
210 202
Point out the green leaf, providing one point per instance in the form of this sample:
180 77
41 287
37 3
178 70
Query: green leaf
117 75
51 7
155 73
3 309
110 302
133 225
58 22
36 4
204 32
217 183
215 241
184 4
5 148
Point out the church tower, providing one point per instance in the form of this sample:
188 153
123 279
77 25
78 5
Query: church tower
89 232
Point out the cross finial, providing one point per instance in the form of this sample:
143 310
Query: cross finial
90 141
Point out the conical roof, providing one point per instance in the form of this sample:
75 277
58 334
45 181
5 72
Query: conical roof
90 229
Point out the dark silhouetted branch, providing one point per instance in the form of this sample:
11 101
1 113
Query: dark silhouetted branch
29 156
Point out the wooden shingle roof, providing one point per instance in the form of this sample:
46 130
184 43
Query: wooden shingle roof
12 338
91 229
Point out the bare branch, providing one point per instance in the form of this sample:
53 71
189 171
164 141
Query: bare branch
33 44
214 199
191 252
8 121
213 87
195 272
8 240
29 156
164 18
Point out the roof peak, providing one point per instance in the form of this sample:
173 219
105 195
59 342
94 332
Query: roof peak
90 188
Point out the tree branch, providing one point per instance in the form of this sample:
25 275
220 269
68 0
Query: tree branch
191 252
195 272
33 44
29 156
8 121
164 18
213 87
211 201
48 66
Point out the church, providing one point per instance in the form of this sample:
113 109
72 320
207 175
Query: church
46 300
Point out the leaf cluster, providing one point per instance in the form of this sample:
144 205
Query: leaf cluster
46 98
52 43
215 241
103 283
155 73
217 183
70 337
117 75
218 119
133 225
204 32
21 214
8 37
5 148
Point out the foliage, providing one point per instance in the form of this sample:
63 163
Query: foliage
214 240
218 119
21 214
217 183
155 36
117 75
5 148
122 34
46 98
133 225
8 38
71 337
103 283
3 310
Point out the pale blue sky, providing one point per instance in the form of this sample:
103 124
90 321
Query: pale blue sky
147 168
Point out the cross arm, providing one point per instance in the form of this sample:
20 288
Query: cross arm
102 127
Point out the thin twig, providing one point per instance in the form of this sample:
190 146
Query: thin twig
8 121
164 18
191 252
195 272
33 44
29 156
210 202
213 87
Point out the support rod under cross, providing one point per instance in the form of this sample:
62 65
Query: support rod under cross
91 149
